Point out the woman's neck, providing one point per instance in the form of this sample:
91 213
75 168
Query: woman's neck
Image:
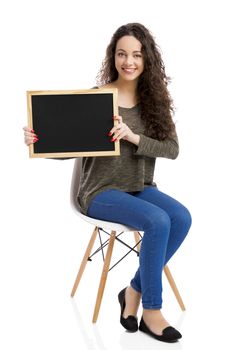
127 95
126 86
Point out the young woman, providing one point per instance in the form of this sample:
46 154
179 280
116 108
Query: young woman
121 189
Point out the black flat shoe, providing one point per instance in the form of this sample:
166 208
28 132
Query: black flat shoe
131 322
170 334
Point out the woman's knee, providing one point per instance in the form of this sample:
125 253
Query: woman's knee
183 218
157 220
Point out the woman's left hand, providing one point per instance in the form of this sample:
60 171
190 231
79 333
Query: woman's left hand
122 131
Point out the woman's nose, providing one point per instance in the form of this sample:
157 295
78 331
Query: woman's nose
129 60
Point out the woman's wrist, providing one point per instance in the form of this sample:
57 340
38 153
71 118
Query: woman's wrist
135 139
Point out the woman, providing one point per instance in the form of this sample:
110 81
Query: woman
121 189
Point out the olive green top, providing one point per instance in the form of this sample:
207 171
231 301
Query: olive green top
129 172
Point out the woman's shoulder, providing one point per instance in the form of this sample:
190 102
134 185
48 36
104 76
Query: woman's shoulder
107 86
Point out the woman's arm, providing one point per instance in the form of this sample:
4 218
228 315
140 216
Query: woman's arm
146 146
149 147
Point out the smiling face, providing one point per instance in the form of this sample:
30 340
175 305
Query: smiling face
128 58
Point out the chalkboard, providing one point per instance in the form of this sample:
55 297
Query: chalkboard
72 123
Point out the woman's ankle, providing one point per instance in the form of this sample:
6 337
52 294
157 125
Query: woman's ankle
152 312
132 301
155 320
133 292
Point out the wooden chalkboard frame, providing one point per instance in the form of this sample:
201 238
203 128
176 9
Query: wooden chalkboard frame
115 146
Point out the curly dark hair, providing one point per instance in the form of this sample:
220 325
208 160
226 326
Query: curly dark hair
152 93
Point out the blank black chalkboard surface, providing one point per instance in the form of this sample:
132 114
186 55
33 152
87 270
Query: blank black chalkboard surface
72 123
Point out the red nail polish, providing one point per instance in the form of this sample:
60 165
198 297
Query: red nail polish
113 139
110 133
32 130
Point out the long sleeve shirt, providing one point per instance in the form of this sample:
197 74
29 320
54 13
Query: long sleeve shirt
132 170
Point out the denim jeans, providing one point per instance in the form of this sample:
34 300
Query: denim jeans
165 223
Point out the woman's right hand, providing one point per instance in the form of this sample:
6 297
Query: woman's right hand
29 136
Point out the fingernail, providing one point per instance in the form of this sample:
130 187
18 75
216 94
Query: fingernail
110 133
35 139
113 139
32 130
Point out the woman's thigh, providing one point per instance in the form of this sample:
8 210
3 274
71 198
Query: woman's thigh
125 208
152 195
178 214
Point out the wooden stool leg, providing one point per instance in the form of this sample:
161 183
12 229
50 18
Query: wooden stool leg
174 287
84 261
104 276
167 273
137 238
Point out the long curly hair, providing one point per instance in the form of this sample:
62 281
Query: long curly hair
152 93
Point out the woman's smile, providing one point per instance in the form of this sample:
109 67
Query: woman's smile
129 70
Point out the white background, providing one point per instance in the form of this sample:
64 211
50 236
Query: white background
50 44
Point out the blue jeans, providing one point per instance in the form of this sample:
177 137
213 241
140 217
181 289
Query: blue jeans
165 223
